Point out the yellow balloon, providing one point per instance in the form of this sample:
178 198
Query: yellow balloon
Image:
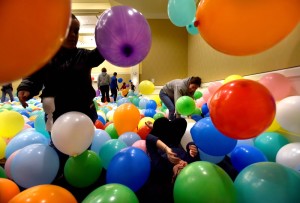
146 87
143 120
2 148
11 123
32 118
231 78
274 126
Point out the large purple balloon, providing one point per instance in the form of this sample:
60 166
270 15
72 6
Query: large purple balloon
123 36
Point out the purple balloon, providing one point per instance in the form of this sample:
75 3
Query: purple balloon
123 36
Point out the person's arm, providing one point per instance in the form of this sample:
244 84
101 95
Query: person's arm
94 58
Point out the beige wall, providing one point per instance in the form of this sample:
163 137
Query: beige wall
167 58
212 65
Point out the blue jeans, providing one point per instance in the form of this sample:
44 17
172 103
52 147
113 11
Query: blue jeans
169 104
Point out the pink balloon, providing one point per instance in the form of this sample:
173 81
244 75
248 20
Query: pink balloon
8 163
200 102
206 95
279 85
214 87
141 144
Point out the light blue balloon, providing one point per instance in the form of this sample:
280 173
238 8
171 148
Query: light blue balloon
40 125
35 164
23 139
129 138
100 137
192 29
181 12
142 103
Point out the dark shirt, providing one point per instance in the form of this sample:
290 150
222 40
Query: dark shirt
67 77
7 87
113 82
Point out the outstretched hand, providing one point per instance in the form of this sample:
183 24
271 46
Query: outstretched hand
23 97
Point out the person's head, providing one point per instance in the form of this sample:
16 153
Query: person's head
194 84
115 74
103 70
71 40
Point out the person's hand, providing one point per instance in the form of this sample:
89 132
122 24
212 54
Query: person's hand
193 150
149 124
23 97
172 157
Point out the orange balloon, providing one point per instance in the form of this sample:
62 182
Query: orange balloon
239 28
126 118
44 194
242 109
8 190
30 34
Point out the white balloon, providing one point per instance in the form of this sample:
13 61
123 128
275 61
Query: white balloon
288 113
289 155
72 133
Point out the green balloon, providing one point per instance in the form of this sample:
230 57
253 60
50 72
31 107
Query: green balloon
185 105
115 193
83 170
2 173
267 182
203 181
197 94
197 111
158 115
111 130
270 143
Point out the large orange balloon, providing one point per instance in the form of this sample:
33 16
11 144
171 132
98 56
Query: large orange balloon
8 190
31 33
239 27
242 109
44 194
126 118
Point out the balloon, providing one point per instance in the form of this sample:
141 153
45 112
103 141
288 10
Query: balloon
202 181
100 137
141 144
289 155
186 138
7 166
232 78
247 23
270 143
158 115
39 47
130 114
242 109
129 138
279 85
288 112
151 104
111 130
149 113
267 182
114 193
181 12
2 172
146 87
197 94
245 155
144 120
210 140
11 123
44 193
2 148
213 87
274 126
72 133
191 28
29 168
9 189
210 158
40 125
123 36
130 167
109 149
120 80
185 105
83 170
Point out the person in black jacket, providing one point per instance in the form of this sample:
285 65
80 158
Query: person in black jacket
7 89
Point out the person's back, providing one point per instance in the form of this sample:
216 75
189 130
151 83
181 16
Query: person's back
103 84
114 86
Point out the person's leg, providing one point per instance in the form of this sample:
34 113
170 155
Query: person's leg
169 104
107 93
3 97
102 90
11 96
114 94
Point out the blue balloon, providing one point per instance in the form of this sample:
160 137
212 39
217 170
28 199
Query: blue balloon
35 164
129 167
181 12
129 138
100 137
100 118
23 139
245 155
24 113
151 104
210 140
142 103
149 113
192 29
31 123
196 117
204 109
210 158
120 80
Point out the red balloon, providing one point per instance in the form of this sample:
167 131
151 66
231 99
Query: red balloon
99 125
242 109
143 132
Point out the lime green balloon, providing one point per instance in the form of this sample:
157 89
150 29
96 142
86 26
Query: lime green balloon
7 106
185 105
158 115
112 193
2 172
203 181
83 170
197 111
267 182
270 143
197 94
111 130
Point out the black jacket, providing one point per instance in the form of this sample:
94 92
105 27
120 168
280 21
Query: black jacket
67 77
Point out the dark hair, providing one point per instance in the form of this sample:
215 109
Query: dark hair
73 16
104 70
196 80
115 73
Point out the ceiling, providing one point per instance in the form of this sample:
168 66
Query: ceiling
87 12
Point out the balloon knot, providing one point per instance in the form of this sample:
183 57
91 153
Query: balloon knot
196 23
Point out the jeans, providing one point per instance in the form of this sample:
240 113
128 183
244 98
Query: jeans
9 92
105 93
169 104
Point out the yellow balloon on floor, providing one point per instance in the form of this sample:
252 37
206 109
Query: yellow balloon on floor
144 120
231 78
2 148
11 123
146 87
